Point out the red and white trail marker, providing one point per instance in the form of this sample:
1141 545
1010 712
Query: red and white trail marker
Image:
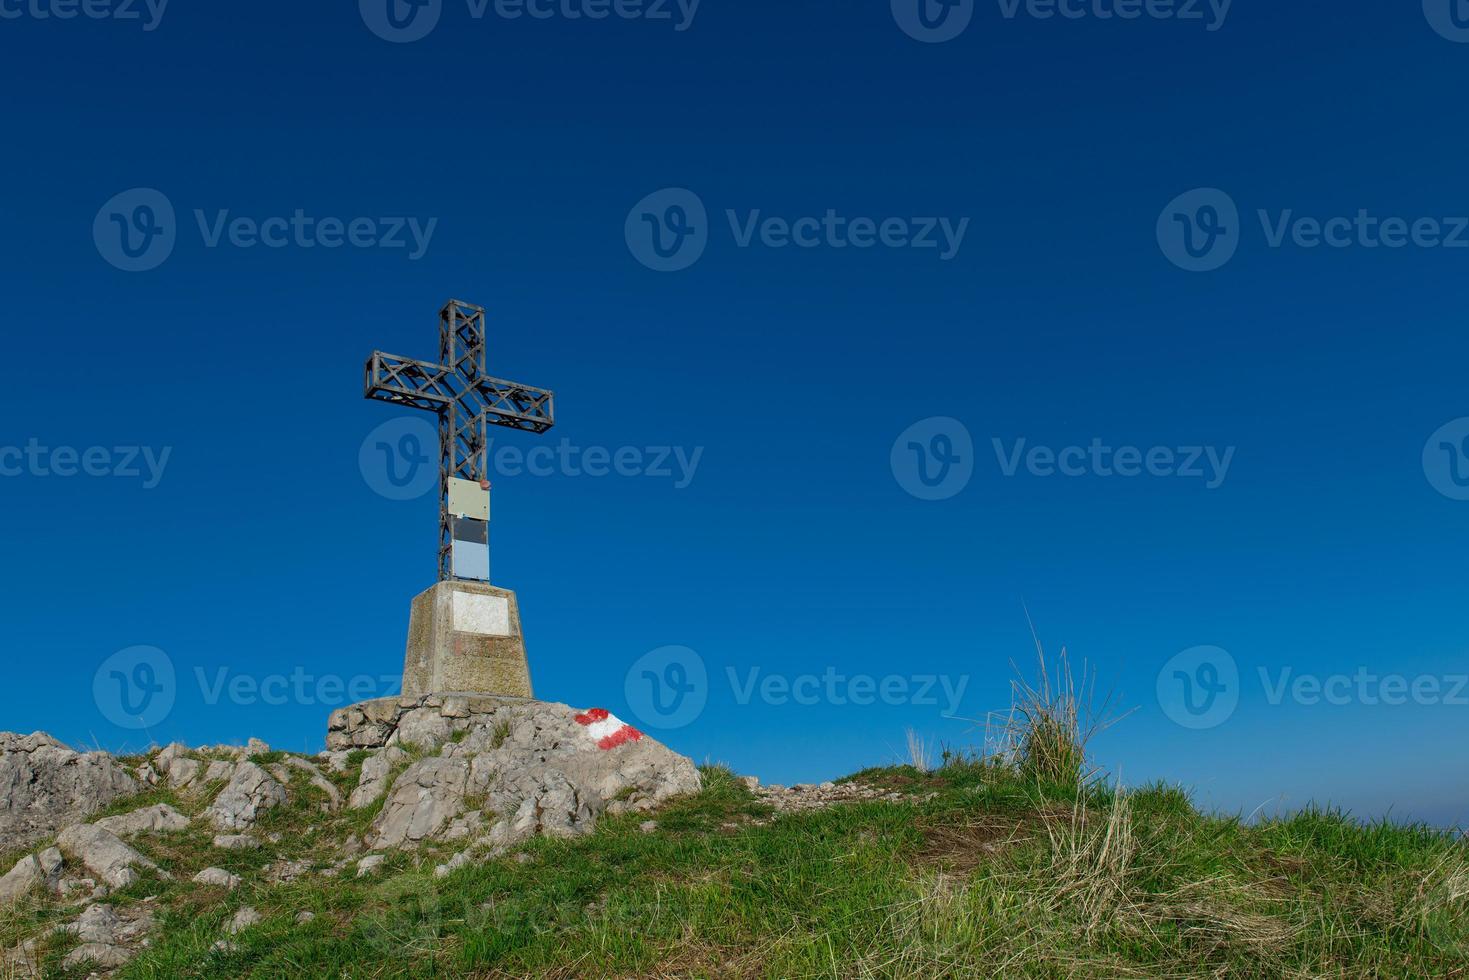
606 729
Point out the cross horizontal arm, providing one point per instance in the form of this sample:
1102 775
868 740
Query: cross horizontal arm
433 387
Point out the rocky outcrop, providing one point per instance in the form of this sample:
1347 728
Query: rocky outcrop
160 818
103 853
45 786
250 792
32 872
503 768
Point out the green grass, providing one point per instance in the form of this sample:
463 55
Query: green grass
977 871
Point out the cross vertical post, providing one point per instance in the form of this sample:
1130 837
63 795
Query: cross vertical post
467 401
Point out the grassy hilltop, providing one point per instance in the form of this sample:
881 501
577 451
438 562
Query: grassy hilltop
1015 864
976 871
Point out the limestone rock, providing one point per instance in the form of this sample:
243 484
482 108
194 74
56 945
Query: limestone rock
98 954
161 818
217 877
374 779
45 786
242 920
103 853
218 770
551 769
250 792
256 747
31 872
370 864
235 842
182 772
98 924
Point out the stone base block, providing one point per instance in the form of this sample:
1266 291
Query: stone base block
465 636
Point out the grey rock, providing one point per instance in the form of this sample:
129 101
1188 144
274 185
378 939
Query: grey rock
256 747
218 878
304 917
165 756
250 792
30 873
236 842
242 920
648 826
218 770
103 853
530 760
335 761
45 786
750 783
370 864
98 924
373 782
98 954
20 961
159 818
182 772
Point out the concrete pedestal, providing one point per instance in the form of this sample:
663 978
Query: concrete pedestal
465 636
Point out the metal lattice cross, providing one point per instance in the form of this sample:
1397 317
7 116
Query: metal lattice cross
466 400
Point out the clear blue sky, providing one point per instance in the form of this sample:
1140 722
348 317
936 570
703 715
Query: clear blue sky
264 552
